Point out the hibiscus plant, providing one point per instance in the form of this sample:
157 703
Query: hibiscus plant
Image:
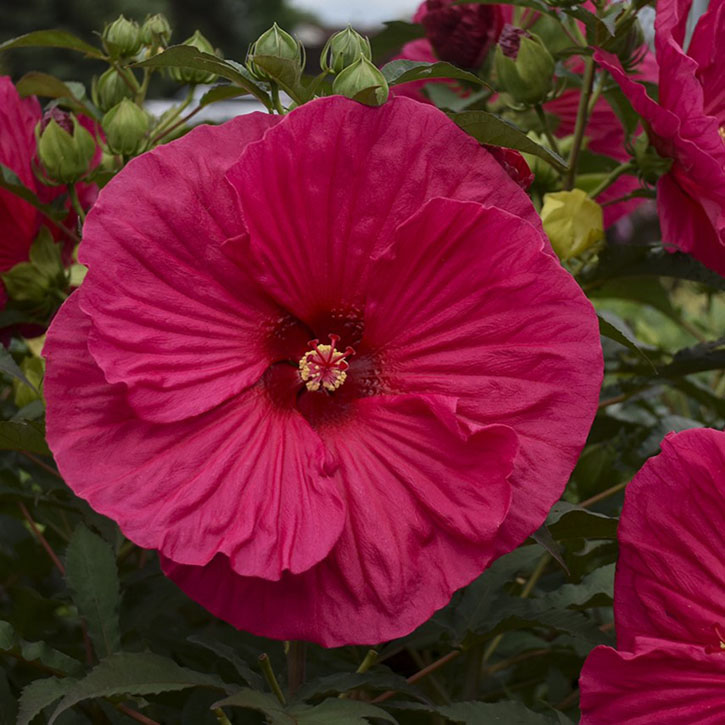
349 409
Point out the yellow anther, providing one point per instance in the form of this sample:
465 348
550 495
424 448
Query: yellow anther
323 366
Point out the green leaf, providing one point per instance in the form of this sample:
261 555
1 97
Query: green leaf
647 290
594 590
51 39
135 673
505 713
262 702
597 31
23 436
286 73
38 652
11 368
48 86
230 655
698 358
9 180
542 536
92 577
394 36
36 696
379 678
339 712
405 71
615 329
488 128
567 521
8 702
186 56
221 93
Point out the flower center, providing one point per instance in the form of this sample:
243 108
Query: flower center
722 132
323 366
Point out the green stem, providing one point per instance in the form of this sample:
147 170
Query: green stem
370 659
266 666
165 126
611 178
295 666
75 201
545 126
275 98
581 121
144 86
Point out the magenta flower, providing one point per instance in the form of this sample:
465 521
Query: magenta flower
669 597
330 379
687 125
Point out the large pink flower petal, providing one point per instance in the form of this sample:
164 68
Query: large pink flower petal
708 51
246 480
424 503
171 314
326 189
665 684
671 574
466 302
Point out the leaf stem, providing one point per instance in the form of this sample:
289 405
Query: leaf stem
266 666
581 121
546 128
75 201
41 539
611 178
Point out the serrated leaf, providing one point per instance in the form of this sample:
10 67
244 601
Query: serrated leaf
10 181
128 673
491 713
186 56
542 536
567 521
51 39
595 589
39 694
487 128
377 679
406 71
230 655
339 712
23 436
38 652
262 702
11 368
615 329
92 577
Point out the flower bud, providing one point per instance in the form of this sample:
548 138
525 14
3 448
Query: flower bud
111 88
344 48
65 148
191 75
650 165
156 30
362 82
524 66
628 45
122 37
275 43
126 126
572 221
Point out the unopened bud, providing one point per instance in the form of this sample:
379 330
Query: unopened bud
111 88
650 165
344 48
274 43
573 222
524 66
126 126
191 75
156 30
122 37
362 81
65 148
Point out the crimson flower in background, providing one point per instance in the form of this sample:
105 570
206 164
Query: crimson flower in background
687 125
669 596
330 379
19 221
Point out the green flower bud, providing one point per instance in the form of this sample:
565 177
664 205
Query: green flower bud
122 38
362 81
111 88
156 30
344 48
650 165
191 75
275 43
572 221
65 148
126 126
524 66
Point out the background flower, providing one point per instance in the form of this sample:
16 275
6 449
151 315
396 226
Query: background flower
474 380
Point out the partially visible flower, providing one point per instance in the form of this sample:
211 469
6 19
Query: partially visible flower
513 163
461 34
330 380
669 596
687 125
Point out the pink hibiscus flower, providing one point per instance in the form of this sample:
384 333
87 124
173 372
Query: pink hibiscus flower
330 379
686 125
19 221
669 599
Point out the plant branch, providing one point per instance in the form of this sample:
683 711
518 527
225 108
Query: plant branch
581 121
